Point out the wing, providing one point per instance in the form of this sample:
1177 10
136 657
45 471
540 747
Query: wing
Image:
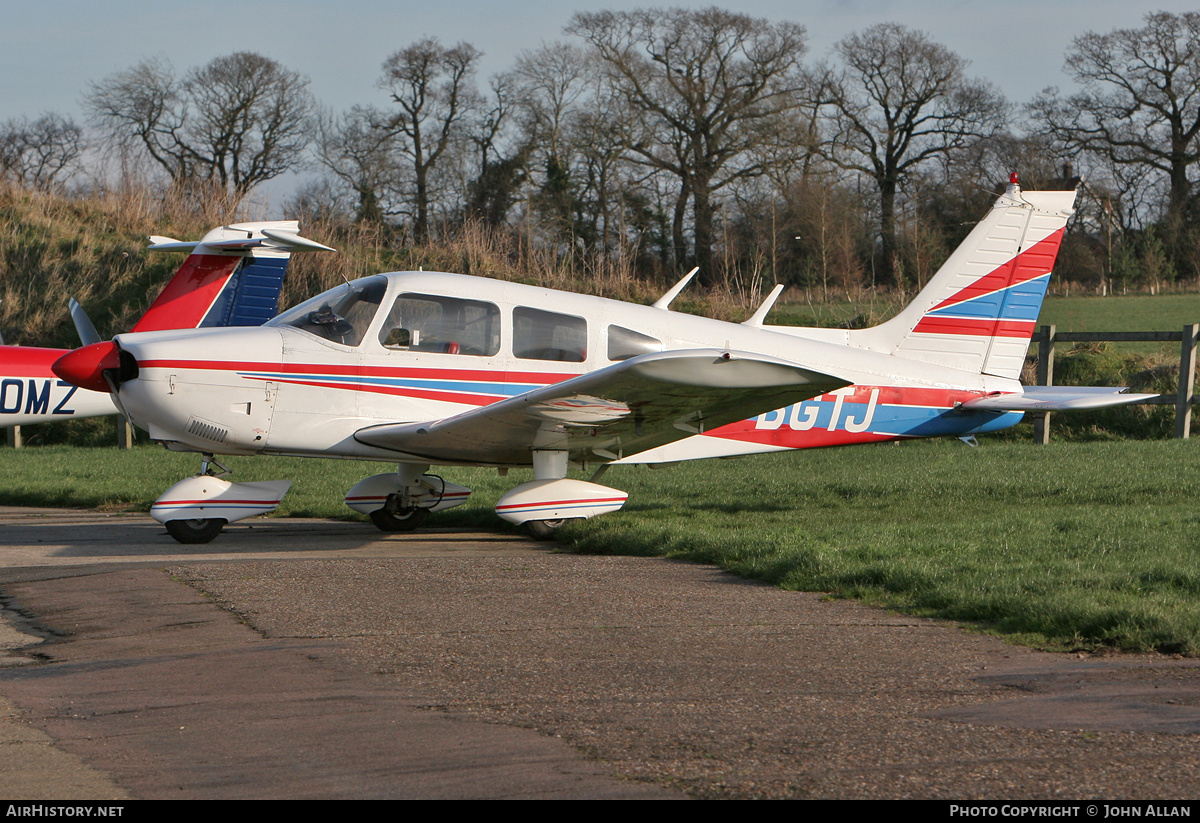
1057 398
626 408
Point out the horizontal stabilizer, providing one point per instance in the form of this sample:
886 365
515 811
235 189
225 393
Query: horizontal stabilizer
1057 398
280 235
293 241
158 243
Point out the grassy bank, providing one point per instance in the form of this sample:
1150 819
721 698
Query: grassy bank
1074 545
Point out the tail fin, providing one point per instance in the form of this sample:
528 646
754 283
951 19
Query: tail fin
232 277
979 311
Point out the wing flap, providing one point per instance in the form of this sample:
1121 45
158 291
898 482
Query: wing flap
626 408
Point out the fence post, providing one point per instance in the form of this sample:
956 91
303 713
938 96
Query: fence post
12 435
1045 377
1187 381
124 434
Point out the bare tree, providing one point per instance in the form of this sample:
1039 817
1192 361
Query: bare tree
552 80
362 156
143 108
433 89
252 118
1139 107
899 102
238 121
39 154
503 159
710 86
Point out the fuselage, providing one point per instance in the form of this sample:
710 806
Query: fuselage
31 393
424 346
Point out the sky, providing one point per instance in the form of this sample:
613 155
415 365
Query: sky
50 51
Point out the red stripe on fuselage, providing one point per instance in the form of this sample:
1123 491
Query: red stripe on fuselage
819 436
535 379
28 361
474 399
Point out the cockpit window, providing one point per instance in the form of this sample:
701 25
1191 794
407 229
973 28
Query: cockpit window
340 315
434 323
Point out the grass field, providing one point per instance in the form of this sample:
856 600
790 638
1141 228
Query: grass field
1074 545
1135 312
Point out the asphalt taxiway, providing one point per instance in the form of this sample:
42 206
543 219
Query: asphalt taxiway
301 658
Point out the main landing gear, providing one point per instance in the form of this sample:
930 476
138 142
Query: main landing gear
393 517
550 500
401 500
544 529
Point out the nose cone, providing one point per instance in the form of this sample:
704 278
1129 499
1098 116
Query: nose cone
85 367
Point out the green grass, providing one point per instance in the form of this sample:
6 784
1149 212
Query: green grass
1074 545
1136 312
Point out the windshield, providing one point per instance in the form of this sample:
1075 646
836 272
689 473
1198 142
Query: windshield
340 315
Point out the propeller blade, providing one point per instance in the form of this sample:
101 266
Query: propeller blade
83 324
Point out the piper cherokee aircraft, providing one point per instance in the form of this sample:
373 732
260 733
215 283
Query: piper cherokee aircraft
425 368
232 277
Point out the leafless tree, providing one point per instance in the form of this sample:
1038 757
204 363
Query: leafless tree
433 90
1139 108
40 154
898 102
362 156
252 118
238 121
709 86
552 80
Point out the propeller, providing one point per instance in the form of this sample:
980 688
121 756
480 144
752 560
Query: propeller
83 324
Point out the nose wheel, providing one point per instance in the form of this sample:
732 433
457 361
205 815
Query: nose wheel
201 530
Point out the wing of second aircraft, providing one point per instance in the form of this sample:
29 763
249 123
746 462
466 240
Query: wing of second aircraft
615 412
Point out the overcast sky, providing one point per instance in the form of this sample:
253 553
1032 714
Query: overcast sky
51 50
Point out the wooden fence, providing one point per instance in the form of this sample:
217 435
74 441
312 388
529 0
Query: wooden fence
1047 337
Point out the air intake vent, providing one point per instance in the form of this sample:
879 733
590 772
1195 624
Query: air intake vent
208 431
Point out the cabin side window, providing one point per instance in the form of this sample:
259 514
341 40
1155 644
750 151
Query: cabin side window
547 335
625 343
449 325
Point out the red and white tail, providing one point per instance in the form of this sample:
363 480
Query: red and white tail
979 311
233 276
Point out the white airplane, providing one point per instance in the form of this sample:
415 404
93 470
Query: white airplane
425 368
232 277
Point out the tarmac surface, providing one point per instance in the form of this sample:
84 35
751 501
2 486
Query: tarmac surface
301 658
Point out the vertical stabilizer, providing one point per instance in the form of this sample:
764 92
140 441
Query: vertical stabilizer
979 311
233 277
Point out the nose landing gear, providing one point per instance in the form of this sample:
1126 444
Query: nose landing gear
195 510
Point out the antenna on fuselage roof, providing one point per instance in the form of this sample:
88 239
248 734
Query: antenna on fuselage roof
665 301
759 316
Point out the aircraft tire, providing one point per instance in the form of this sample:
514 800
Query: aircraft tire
195 531
385 521
544 529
